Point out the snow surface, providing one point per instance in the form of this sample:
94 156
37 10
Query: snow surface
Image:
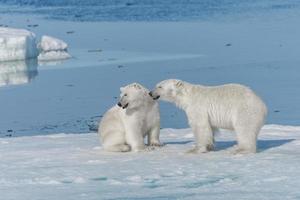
17 44
74 166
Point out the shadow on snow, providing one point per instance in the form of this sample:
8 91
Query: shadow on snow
262 145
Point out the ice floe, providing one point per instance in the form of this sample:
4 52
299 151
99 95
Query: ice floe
17 44
68 166
52 49
21 44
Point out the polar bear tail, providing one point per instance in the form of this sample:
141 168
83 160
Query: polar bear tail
117 148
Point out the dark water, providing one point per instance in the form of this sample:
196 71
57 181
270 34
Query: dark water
146 10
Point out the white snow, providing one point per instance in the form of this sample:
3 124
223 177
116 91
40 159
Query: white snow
17 44
52 49
74 166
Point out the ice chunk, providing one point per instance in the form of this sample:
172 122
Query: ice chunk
17 44
17 72
52 49
53 55
20 44
49 43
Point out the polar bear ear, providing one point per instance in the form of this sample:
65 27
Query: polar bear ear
137 86
122 89
179 84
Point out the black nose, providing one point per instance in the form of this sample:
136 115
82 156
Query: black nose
157 97
150 93
119 104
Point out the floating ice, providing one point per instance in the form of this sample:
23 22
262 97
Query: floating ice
49 43
52 49
53 55
20 44
17 44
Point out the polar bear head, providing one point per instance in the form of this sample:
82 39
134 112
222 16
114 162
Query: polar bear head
167 90
133 95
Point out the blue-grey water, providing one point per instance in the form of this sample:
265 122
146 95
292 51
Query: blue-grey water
255 43
146 10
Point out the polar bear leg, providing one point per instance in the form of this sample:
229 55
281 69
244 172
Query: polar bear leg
135 139
246 139
114 141
153 137
118 148
204 138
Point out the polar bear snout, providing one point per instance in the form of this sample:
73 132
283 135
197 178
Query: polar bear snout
154 95
122 103
123 106
126 105
157 97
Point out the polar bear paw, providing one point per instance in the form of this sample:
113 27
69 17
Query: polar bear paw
196 150
145 149
201 149
149 148
156 144
138 148
238 150
118 148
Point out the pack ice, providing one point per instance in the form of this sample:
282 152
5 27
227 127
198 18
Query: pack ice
17 44
21 44
52 49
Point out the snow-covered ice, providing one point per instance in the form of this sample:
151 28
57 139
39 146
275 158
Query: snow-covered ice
21 44
49 43
17 44
52 49
53 55
74 166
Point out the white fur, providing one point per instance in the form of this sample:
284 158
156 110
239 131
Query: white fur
230 106
123 129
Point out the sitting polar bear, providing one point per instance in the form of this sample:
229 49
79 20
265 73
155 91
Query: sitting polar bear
230 106
125 125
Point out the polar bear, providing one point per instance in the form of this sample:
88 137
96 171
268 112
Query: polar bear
231 106
125 125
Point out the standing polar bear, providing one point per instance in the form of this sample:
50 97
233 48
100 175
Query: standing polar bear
125 125
230 106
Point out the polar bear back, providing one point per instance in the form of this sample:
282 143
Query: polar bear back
226 104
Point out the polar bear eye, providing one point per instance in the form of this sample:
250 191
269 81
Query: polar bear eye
125 95
159 87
